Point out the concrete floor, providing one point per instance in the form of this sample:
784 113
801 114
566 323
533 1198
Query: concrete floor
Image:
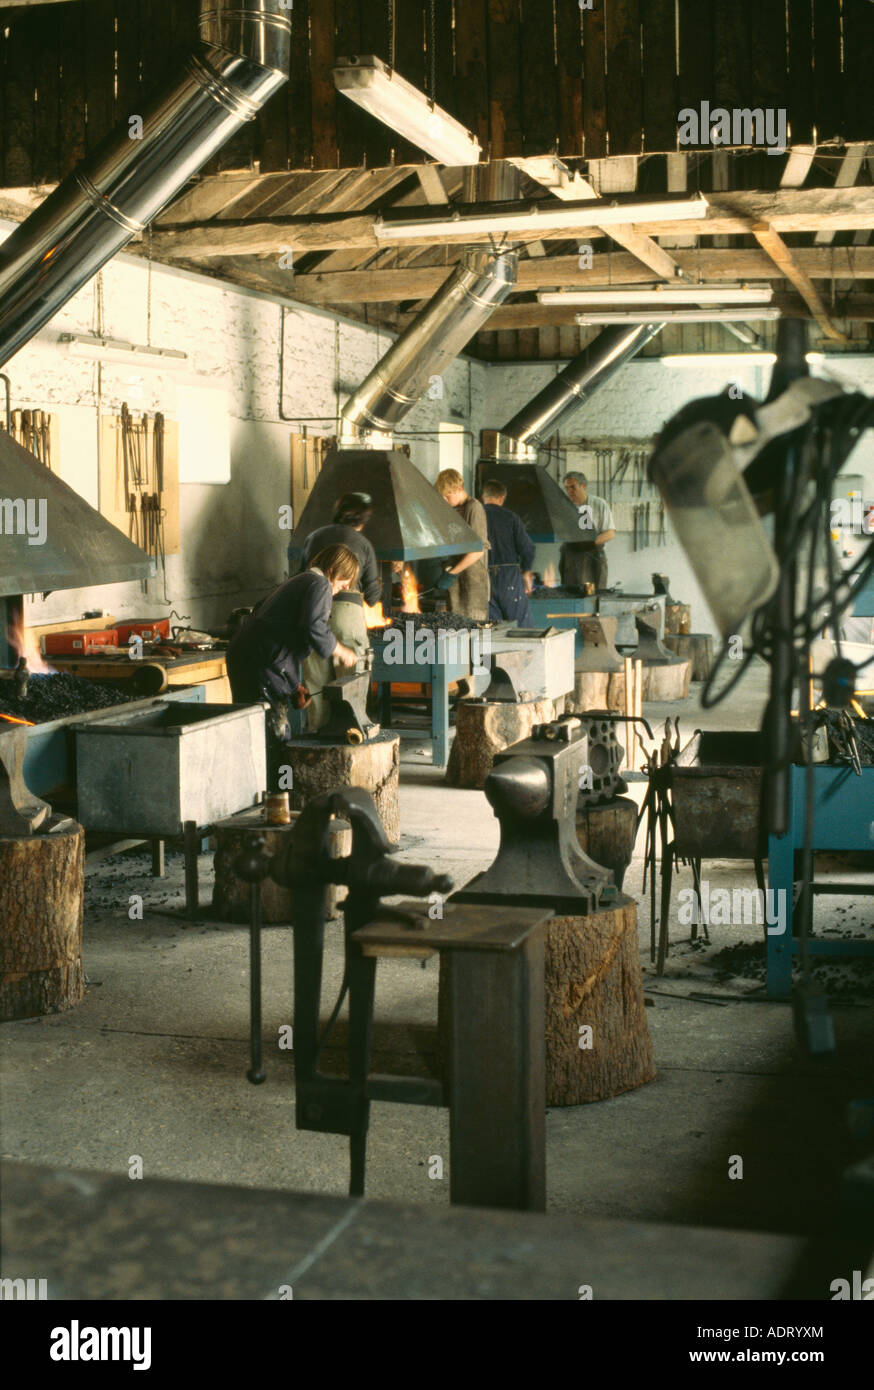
153 1062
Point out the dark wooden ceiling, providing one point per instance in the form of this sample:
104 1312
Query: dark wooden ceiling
535 79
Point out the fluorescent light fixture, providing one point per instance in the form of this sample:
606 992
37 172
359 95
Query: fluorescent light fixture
677 315
663 294
732 359
130 354
371 83
545 216
719 359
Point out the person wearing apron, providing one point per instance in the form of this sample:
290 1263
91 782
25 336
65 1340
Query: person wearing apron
583 561
350 629
265 657
465 580
511 559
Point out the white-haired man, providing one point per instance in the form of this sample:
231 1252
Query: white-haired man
583 561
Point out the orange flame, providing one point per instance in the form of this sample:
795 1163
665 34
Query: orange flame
26 645
9 720
409 592
550 578
375 616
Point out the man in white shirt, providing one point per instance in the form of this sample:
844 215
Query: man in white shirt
584 561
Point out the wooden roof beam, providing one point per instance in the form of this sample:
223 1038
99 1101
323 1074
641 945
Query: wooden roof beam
781 210
516 316
551 173
773 244
327 287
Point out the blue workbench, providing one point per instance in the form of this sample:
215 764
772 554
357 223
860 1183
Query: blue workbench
439 675
843 820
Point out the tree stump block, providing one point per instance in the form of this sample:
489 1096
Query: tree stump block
485 728
591 690
319 767
230 894
696 647
667 682
607 834
42 892
594 981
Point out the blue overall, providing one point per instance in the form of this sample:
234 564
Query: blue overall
512 551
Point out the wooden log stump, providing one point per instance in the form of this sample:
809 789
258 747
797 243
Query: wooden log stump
230 894
485 728
667 682
594 981
590 691
319 767
42 891
696 647
607 834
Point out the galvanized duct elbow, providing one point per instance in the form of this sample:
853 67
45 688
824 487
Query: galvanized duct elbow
113 195
481 281
573 386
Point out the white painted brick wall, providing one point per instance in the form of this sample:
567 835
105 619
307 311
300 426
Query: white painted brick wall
232 549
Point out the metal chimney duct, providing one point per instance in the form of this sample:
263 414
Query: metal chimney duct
481 281
567 392
115 193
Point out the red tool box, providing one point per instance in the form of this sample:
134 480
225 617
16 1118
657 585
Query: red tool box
150 629
78 643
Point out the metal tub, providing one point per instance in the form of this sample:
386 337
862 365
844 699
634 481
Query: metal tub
150 772
717 795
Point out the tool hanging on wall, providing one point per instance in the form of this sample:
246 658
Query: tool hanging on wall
142 459
32 430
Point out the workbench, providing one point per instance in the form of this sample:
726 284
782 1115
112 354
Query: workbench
439 676
98 1236
191 668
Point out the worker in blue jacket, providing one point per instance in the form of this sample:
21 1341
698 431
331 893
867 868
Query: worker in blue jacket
511 559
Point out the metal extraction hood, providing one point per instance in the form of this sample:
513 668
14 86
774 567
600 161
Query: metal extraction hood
50 538
544 508
410 519
113 195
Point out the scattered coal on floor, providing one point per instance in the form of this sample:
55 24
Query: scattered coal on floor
839 977
59 696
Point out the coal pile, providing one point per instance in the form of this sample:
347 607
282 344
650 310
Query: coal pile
544 591
435 622
58 697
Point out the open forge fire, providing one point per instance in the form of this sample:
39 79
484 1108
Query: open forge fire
26 645
375 616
